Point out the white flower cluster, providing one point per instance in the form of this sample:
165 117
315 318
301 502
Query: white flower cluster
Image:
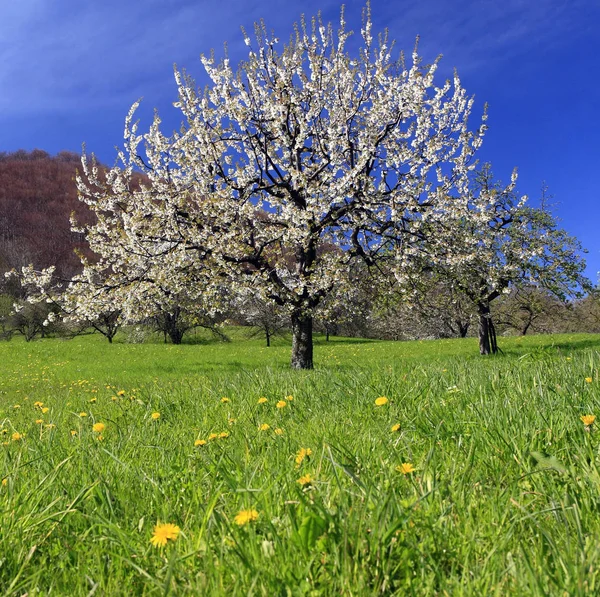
283 174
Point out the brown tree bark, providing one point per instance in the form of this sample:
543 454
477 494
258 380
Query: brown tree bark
487 331
302 341
463 329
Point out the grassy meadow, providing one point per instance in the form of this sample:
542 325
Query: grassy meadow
476 476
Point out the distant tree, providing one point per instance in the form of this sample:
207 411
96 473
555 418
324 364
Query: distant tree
347 307
586 313
6 311
172 323
530 308
102 298
178 316
265 316
45 288
398 320
106 323
29 320
498 244
440 305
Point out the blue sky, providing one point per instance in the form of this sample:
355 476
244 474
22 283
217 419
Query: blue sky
69 71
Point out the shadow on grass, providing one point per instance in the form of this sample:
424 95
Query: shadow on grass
547 345
322 341
278 340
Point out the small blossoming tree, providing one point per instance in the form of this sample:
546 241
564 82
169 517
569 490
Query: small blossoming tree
497 244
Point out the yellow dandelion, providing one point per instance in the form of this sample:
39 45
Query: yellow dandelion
224 399
223 435
281 404
264 427
100 438
262 400
38 404
279 431
39 421
121 393
50 426
213 436
200 442
16 436
588 379
289 398
155 416
45 410
99 427
396 427
17 406
244 517
302 454
381 401
82 414
305 480
588 420
406 468
164 533
5 482
73 433
92 400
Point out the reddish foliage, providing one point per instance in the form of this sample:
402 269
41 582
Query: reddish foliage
37 196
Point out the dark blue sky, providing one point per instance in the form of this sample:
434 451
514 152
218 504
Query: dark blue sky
69 71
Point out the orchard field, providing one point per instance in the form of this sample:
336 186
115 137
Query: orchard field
413 468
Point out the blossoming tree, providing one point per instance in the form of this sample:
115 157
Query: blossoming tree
496 244
306 146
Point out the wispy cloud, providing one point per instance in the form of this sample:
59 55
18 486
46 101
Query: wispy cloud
476 34
80 56
91 55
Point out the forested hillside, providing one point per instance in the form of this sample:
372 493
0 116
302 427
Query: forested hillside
37 196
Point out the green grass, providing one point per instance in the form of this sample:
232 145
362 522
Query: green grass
505 498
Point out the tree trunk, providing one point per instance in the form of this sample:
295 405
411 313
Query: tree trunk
172 326
463 329
528 323
175 334
302 342
487 331
268 337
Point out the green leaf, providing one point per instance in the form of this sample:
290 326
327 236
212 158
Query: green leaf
311 528
548 461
